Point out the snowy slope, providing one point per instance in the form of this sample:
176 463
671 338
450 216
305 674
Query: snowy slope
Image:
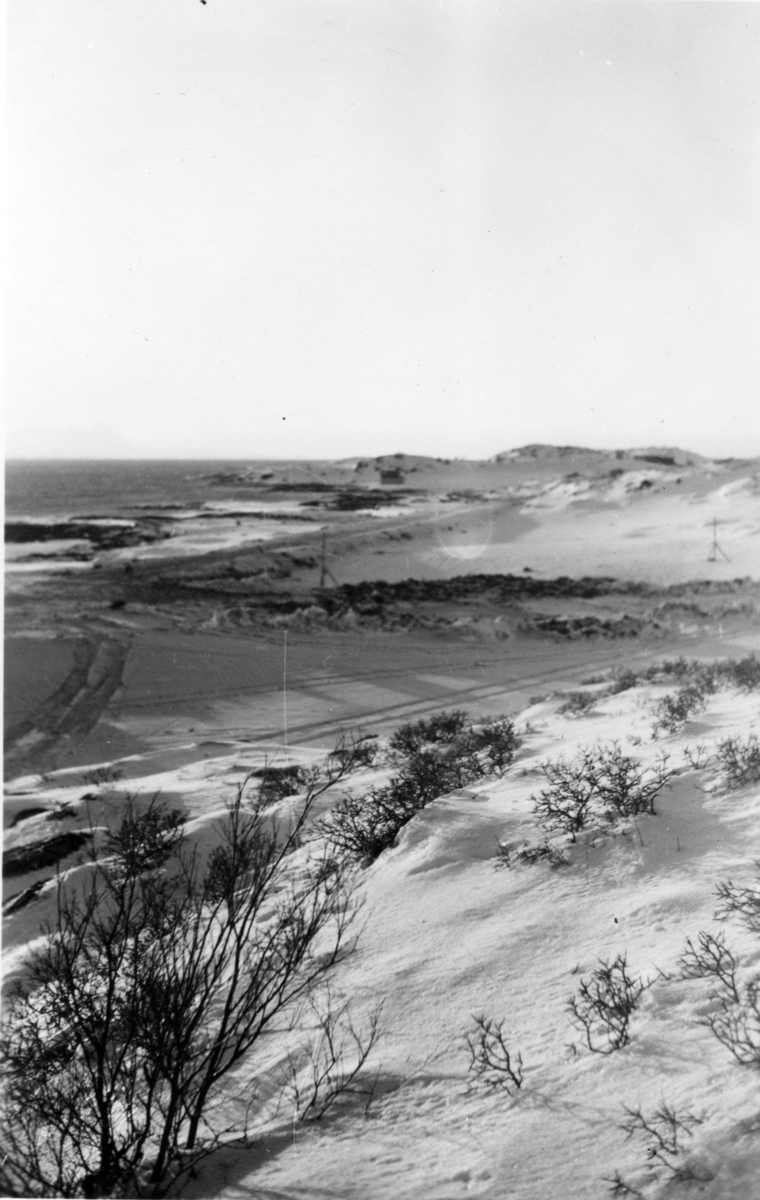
448 934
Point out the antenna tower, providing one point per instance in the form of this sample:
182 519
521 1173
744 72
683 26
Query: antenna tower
716 549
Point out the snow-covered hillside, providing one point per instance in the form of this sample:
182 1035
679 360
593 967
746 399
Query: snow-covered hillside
455 924
448 933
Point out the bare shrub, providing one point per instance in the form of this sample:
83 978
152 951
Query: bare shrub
577 703
496 741
710 958
673 711
363 827
742 903
102 776
567 803
736 1025
623 681
332 1066
741 673
739 759
360 828
492 1063
508 854
620 1187
664 1132
700 680
442 727
359 750
157 974
622 784
671 668
602 780
698 757
604 1005
735 1017
275 783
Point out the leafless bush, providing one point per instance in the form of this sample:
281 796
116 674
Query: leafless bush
356 750
736 1025
157 974
334 1061
741 673
604 1005
621 1188
602 780
698 757
663 1132
577 703
492 1063
362 827
442 727
623 681
743 903
508 853
102 776
739 759
622 784
711 958
673 711
735 1017
497 741
567 803
275 783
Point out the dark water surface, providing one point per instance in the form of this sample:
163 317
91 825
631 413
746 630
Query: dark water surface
92 487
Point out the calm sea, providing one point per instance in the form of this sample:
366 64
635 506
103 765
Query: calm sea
105 488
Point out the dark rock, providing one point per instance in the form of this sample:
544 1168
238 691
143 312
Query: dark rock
21 859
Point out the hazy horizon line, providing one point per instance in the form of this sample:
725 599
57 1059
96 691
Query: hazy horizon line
273 458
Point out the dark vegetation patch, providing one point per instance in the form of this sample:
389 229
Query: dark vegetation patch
47 853
466 606
585 627
434 757
497 587
101 537
274 783
21 899
354 499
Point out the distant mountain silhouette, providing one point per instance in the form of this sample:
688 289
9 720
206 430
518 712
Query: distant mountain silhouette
662 455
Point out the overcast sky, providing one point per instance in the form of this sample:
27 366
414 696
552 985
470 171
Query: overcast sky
258 228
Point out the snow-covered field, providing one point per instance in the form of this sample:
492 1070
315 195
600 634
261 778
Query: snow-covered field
448 932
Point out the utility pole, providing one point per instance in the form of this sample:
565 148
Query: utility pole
715 549
324 569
